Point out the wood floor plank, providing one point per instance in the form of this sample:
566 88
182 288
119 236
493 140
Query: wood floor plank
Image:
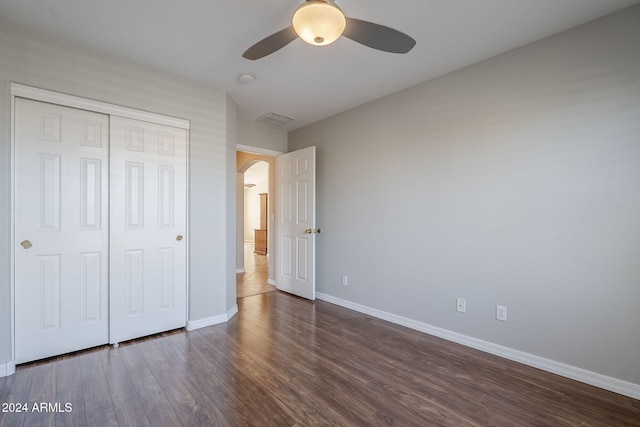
76 415
41 393
126 402
70 393
95 389
197 376
68 373
287 361
205 380
155 405
185 404
16 391
257 400
305 411
3 387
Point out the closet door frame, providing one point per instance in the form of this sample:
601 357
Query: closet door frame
23 91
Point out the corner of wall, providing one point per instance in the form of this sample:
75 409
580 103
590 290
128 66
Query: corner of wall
231 189
213 320
7 368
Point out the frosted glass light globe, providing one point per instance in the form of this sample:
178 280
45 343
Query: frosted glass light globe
319 22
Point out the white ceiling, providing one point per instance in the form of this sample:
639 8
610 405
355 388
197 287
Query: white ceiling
203 40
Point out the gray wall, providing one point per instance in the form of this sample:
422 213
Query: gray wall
255 134
252 133
32 60
230 208
515 181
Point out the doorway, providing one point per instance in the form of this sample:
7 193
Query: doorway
293 235
255 212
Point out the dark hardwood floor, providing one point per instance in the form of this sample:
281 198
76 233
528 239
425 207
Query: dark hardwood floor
287 361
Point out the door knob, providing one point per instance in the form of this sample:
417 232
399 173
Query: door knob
179 238
25 244
311 231
308 231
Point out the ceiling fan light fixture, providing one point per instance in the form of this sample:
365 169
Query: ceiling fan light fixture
319 22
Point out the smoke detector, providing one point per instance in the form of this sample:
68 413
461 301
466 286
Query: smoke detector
246 78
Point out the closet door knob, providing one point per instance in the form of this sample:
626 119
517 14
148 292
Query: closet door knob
179 238
25 244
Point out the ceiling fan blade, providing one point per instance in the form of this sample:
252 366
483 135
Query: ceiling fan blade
378 36
270 44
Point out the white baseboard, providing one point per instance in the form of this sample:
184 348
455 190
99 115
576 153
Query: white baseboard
239 270
213 320
588 377
8 368
272 282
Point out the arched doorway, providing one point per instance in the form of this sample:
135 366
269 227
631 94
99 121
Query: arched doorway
255 215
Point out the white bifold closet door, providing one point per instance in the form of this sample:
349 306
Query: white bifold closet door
61 229
148 226
100 228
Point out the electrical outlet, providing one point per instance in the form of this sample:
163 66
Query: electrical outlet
345 280
501 313
461 305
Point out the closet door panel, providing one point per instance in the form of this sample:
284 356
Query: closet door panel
148 228
61 230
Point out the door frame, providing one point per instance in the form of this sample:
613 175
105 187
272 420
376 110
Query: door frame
273 257
43 95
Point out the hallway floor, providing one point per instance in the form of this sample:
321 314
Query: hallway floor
255 278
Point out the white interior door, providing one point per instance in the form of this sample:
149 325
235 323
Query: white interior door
61 229
296 182
148 228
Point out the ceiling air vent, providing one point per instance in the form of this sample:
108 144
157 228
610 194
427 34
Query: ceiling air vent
275 120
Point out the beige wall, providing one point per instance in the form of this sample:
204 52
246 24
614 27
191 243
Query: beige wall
515 181
252 208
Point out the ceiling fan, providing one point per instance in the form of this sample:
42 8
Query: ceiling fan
321 22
